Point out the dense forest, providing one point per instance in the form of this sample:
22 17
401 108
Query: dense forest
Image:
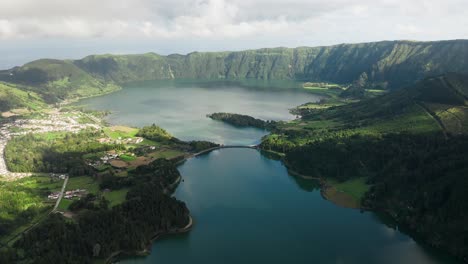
155 133
239 120
99 231
419 179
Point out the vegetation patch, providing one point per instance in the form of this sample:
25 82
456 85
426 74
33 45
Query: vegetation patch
120 132
116 197
127 158
239 120
23 203
356 187
64 204
83 182
54 152
126 224
154 133
12 97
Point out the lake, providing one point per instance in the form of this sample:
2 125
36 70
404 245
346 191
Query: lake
246 207
181 107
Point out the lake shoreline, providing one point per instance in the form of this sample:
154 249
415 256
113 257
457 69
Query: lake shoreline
115 256
118 255
328 192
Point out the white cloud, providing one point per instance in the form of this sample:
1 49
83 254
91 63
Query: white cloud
165 19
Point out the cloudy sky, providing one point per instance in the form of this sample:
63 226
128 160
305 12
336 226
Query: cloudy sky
31 29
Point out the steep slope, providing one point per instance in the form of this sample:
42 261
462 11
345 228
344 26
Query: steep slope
386 64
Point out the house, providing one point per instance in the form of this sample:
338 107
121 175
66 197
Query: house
53 196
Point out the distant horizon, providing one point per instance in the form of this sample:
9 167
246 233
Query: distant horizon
52 53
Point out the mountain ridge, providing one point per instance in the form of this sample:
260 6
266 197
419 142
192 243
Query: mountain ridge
386 65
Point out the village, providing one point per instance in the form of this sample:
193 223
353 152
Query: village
53 121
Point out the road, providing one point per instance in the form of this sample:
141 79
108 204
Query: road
65 182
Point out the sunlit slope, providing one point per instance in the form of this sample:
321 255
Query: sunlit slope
433 105
12 97
57 79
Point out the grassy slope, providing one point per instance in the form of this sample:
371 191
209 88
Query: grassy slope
12 97
116 132
429 106
25 194
57 79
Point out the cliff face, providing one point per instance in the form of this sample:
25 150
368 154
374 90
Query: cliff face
392 63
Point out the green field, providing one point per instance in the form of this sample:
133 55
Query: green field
167 154
116 197
24 202
83 182
332 92
126 157
355 187
121 132
63 205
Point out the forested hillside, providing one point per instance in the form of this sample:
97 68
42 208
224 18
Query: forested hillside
410 146
392 63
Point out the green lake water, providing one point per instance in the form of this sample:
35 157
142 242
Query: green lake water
246 207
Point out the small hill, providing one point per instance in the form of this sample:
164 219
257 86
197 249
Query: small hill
125 68
57 79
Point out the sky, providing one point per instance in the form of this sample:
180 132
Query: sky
32 29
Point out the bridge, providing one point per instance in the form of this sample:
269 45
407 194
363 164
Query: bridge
224 147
